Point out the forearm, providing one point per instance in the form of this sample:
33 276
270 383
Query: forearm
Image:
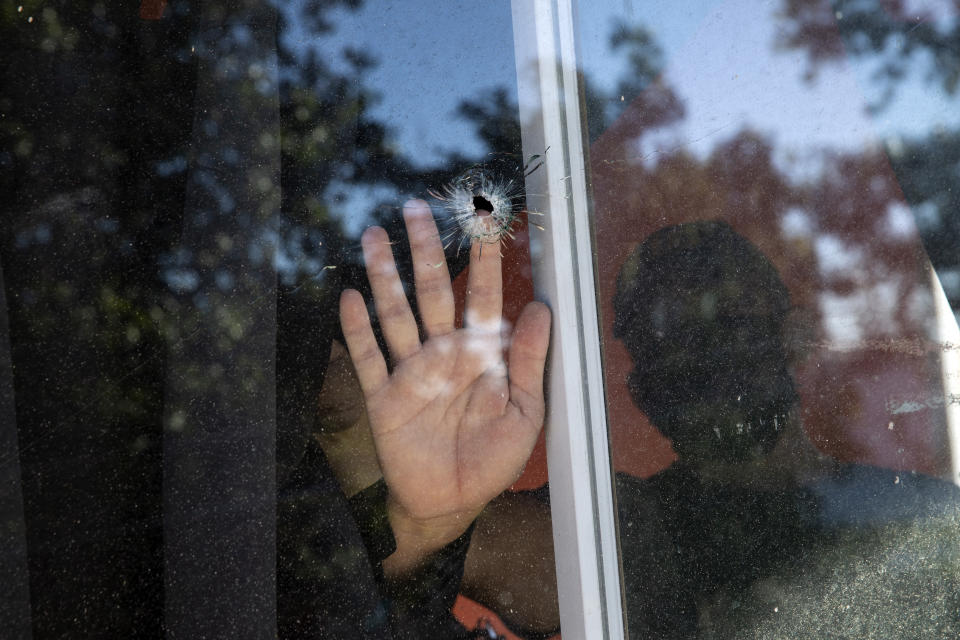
419 567
421 578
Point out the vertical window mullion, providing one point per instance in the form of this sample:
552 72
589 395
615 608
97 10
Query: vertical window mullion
584 529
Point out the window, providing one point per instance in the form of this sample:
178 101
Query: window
742 216
738 160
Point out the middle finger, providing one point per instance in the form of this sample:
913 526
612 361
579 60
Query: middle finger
484 307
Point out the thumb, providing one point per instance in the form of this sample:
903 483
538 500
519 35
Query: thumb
528 355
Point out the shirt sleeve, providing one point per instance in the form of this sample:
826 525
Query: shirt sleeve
419 605
330 581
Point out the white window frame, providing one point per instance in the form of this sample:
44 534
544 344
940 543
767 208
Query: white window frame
581 488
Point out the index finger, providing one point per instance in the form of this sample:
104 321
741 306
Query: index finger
484 306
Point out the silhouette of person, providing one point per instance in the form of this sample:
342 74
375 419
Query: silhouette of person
753 532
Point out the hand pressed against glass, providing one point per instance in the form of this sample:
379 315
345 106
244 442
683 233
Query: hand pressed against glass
453 426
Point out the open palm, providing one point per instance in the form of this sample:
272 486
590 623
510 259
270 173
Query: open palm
453 426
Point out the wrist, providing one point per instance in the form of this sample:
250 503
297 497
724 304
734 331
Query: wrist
418 538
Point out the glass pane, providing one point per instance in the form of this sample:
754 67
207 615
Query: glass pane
187 449
771 183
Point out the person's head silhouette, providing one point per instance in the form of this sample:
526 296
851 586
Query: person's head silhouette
702 313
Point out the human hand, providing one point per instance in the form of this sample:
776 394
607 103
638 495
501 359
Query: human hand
453 426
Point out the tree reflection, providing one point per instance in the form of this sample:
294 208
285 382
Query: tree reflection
899 41
843 233
845 240
114 286
146 219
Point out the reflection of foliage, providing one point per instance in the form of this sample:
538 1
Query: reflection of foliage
738 183
494 115
97 139
640 86
928 170
90 164
328 138
644 56
882 28
849 206
313 15
895 40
